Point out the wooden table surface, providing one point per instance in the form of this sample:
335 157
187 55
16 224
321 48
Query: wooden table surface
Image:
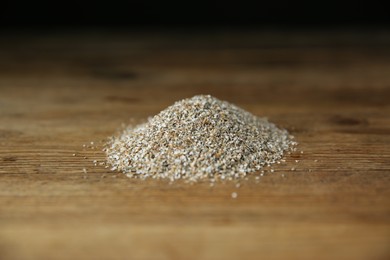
59 91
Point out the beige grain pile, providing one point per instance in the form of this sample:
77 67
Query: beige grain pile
198 138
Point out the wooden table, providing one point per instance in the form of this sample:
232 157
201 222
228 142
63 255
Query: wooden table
60 91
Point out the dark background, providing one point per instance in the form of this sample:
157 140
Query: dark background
21 15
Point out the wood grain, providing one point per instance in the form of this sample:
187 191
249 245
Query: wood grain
61 91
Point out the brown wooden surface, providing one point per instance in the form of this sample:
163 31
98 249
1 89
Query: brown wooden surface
60 91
